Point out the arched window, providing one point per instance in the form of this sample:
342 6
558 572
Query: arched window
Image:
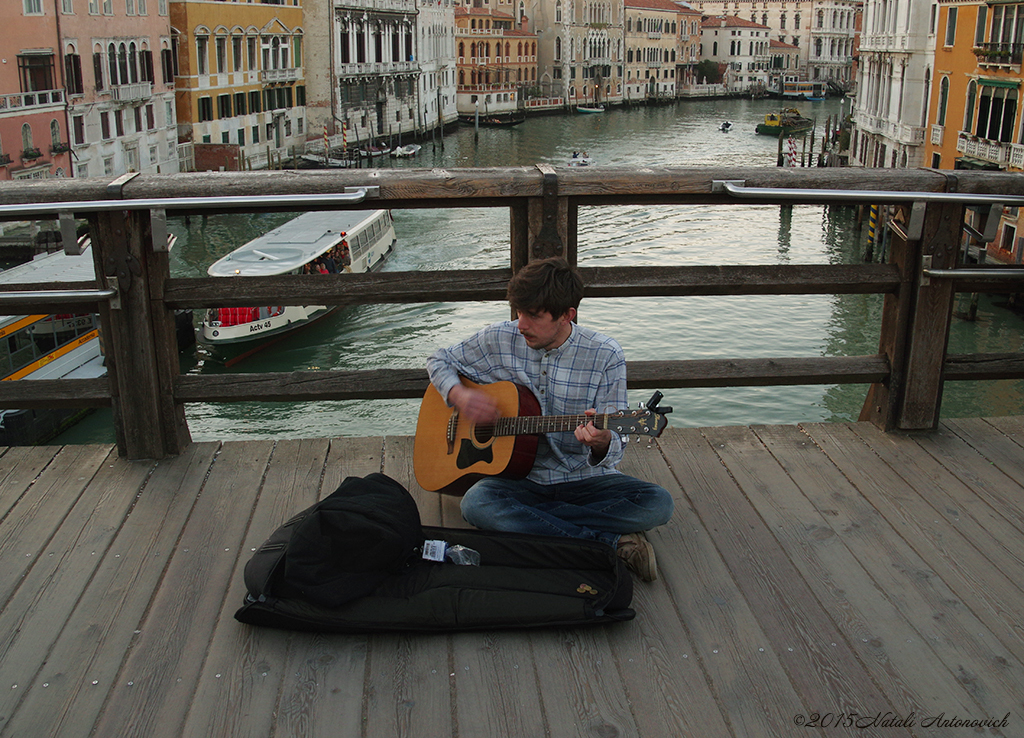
972 93
133 64
54 132
940 118
112 64
26 136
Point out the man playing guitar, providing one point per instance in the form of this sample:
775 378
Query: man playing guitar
573 488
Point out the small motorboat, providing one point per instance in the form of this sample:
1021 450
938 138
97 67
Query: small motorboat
404 152
598 108
726 126
372 151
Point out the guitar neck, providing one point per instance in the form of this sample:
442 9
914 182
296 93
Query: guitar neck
535 424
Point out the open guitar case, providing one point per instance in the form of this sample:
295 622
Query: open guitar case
353 563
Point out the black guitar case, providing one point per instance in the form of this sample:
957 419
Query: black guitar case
352 563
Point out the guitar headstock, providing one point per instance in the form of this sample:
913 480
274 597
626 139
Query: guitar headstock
642 422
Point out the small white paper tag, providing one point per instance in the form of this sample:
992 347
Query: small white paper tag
434 550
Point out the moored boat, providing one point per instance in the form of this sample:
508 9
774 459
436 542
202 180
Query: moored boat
315 243
56 346
404 152
590 108
372 151
494 119
784 123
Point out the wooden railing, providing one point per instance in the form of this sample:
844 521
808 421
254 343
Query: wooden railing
147 392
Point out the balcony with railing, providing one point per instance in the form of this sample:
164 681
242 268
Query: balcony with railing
999 54
937 132
279 75
365 68
995 152
132 92
19 101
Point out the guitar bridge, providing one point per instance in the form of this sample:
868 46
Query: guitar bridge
453 424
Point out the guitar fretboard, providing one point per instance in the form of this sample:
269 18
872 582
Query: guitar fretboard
534 424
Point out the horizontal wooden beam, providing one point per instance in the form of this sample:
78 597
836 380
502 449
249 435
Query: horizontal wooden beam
471 285
305 386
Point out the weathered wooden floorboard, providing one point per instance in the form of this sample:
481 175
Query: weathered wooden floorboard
244 665
39 501
34 617
989 532
989 594
753 689
157 681
106 619
663 679
823 666
952 446
869 581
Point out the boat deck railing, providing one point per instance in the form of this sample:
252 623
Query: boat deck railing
136 297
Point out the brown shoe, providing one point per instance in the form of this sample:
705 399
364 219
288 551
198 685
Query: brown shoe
638 553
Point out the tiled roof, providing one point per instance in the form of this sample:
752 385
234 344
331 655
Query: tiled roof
731 21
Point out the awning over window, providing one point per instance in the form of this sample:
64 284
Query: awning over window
998 82
969 162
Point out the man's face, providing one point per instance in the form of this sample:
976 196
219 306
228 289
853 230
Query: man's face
543 331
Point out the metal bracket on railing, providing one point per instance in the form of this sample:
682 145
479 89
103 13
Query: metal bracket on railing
115 298
68 233
926 270
915 227
991 220
732 186
158 228
548 242
117 186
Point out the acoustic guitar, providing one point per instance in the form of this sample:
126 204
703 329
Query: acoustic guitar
451 453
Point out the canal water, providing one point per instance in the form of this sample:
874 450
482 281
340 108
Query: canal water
684 134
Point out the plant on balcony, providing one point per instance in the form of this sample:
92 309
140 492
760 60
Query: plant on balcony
60 148
5 159
30 154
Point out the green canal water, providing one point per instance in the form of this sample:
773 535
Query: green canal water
684 134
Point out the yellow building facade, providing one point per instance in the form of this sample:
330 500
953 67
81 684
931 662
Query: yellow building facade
239 89
974 111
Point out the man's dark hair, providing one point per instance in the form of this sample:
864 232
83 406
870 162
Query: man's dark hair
546 285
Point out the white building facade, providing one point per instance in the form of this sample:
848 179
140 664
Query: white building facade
893 88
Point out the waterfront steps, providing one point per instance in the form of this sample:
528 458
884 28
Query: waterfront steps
821 568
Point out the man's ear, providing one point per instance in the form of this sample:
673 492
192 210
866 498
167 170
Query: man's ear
570 314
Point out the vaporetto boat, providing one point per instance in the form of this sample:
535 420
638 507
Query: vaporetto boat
56 346
323 244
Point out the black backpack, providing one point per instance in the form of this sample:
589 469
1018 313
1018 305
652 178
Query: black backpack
352 563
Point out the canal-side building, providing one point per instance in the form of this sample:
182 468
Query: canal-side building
743 47
974 114
496 62
652 40
120 86
580 50
435 55
689 47
785 62
33 126
893 86
240 88
825 31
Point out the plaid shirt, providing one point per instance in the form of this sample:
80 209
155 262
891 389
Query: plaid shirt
587 371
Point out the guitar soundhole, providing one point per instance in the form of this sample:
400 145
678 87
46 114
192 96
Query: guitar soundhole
483 434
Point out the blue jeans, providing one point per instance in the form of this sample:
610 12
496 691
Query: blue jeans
598 508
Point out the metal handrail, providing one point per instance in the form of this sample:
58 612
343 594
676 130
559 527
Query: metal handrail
351 195
999 273
59 297
737 189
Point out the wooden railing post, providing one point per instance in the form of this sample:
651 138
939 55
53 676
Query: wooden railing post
149 426
915 320
932 312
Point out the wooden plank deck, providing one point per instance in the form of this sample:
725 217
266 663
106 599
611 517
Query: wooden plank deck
825 568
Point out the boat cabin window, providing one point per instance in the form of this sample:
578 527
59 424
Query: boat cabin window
29 341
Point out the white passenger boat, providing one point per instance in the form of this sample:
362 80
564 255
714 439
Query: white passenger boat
323 244
60 346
